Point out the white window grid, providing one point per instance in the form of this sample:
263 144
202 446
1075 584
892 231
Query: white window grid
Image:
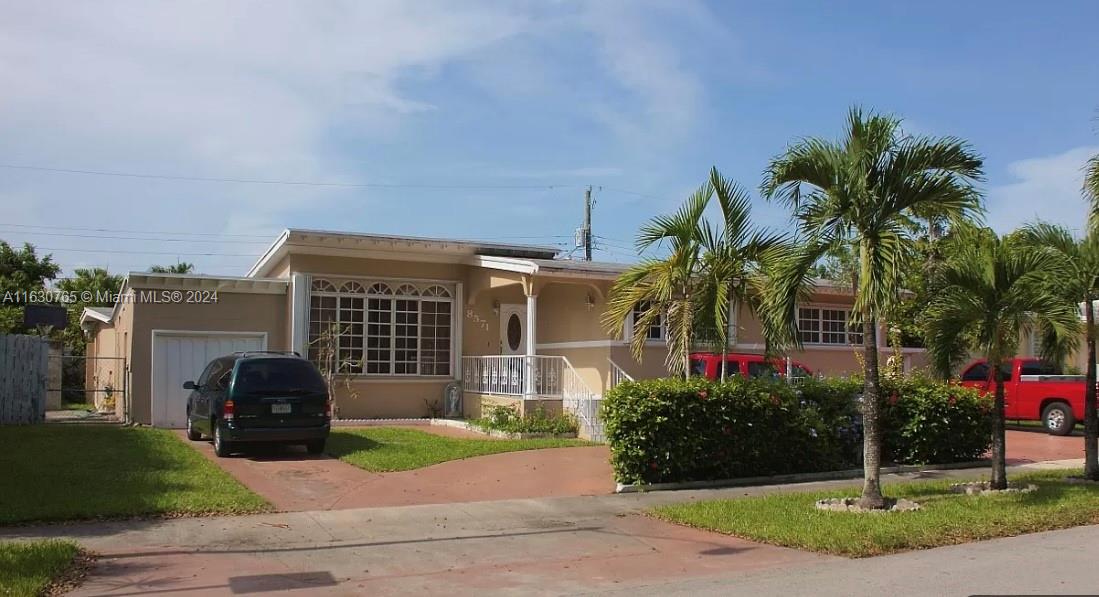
655 331
397 328
827 325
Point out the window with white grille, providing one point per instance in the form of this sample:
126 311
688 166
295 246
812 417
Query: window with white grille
383 328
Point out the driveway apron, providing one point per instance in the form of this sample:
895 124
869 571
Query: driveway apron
295 481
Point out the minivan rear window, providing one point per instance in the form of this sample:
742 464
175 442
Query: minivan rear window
278 376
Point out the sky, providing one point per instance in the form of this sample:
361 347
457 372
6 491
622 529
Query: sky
487 120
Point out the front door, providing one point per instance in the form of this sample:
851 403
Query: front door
513 329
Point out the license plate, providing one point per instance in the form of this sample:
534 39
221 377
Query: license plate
280 409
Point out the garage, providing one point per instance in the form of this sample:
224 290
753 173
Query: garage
179 356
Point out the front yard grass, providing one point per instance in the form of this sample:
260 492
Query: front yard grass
26 569
69 472
387 449
791 520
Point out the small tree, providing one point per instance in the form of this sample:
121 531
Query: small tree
991 289
324 352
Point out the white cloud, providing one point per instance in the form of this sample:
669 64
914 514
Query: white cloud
216 89
1046 188
251 89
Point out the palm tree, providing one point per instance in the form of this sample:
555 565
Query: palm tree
708 272
1091 189
178 268
665 287
991 290
732 258
865 190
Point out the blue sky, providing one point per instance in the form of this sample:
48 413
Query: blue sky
512 107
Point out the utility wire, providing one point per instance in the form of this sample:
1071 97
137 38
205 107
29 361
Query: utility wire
78 228
301 183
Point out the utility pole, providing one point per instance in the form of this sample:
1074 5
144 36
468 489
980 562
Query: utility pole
587 224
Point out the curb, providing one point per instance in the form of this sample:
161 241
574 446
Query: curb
454 423
795 477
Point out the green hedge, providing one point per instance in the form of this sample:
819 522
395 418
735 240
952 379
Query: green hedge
669 430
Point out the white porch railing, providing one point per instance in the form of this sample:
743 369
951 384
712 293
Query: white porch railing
535 378
618 374
506 375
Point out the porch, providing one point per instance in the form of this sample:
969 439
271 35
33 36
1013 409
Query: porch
526 382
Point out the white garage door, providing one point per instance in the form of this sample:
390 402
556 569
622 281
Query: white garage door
180 357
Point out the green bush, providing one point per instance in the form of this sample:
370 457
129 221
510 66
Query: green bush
668 430
505 418
930 422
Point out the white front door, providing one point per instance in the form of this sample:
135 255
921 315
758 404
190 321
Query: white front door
513 328
182 356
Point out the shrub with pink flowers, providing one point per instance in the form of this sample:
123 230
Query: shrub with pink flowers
666 430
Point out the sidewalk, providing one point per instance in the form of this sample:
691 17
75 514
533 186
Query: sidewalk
531 546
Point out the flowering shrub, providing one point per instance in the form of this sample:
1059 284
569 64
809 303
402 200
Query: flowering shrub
927 421
666 430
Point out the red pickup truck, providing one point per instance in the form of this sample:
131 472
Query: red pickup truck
708 364
1033 391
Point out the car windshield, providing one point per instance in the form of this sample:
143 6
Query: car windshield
278 376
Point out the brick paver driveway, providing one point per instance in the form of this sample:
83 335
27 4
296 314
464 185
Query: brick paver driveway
293 480
1038 446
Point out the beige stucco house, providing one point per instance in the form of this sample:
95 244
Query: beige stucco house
493 322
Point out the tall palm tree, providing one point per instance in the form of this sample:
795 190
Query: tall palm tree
991 290
708 272
1091 189
664 286
866 190
732 259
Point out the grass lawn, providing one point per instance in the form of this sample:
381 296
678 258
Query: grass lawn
383 449
26 568
66 472
791 520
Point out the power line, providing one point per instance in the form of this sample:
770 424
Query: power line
302 183
125 252
78 228
169 240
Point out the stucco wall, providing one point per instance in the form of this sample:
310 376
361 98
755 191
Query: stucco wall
234 312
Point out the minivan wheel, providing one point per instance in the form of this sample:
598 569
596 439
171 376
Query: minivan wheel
315 446
1058 419
221 447
192 433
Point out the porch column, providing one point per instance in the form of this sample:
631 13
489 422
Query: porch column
530 387
299 313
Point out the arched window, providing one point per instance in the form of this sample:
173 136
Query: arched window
377 328
352 287
437 290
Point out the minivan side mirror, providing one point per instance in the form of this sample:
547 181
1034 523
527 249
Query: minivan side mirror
189 385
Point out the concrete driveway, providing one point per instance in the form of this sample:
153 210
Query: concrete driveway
293 480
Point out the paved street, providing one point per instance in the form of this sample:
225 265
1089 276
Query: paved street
546 546
1053 563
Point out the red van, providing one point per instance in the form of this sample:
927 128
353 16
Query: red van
708 364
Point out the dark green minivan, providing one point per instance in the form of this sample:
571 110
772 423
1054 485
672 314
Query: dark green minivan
250 397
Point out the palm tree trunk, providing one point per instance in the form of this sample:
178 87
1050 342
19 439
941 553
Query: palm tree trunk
1091 419
724 336
999 439
871 423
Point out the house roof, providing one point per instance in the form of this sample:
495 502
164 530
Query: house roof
100 314
387 246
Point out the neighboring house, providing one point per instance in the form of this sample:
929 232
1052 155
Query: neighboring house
509 321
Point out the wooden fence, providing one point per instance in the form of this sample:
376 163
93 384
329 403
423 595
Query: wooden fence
23 373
